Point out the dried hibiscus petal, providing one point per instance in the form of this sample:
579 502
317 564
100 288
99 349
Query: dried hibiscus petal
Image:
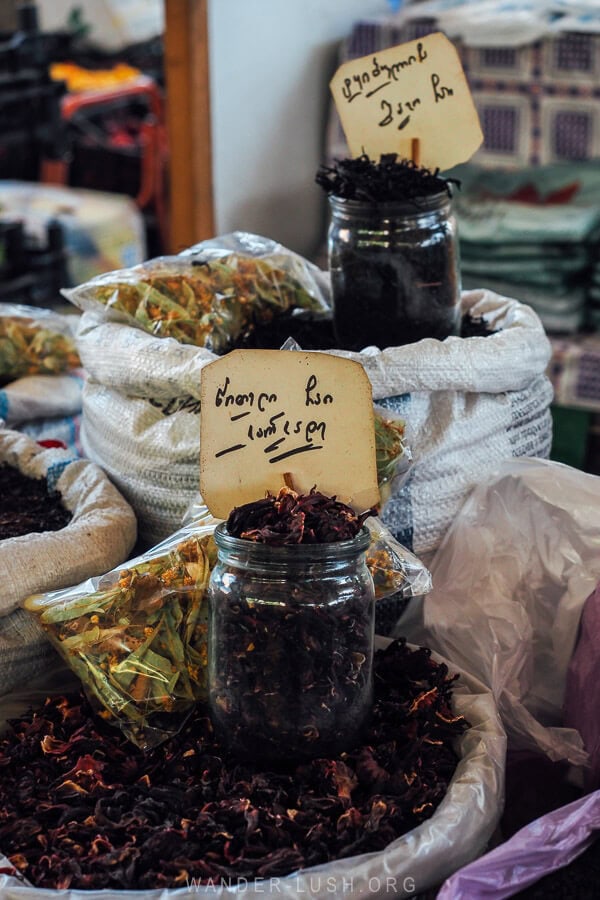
292 518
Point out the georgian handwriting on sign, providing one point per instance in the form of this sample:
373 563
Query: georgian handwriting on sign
399 115
226 397
374 79
415 90
267 414
280 435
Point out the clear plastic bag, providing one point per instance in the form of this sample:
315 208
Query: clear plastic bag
394 456
137 636
209 296
253 246
34 341
582 695
395 570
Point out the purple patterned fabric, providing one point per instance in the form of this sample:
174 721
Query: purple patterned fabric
538 104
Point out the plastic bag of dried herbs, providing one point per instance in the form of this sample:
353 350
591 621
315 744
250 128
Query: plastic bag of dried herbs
34 341
393 453
398 576
137 637
395 570
208 297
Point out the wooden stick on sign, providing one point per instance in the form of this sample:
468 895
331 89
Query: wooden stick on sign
415 151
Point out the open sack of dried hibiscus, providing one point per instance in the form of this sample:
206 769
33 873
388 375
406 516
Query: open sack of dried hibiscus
84 809
61 520
137 636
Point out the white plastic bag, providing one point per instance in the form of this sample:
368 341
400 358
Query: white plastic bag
457 833
62 431
509 585
100 534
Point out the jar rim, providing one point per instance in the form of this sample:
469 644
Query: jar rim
420 204
293 553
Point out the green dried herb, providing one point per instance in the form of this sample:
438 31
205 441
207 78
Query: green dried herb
207 304
139 644
389 446
28 348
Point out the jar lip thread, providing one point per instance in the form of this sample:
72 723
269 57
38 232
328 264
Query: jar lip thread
413 206
293 553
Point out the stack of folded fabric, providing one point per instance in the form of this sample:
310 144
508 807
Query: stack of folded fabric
575 371
594 296
534 234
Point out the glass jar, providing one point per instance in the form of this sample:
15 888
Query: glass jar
290 645
395 271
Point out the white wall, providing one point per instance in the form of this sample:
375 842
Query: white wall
271 61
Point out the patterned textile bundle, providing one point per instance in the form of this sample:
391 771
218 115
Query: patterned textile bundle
532 75
533 234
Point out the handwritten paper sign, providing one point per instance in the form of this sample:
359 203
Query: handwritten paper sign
268 417
416 90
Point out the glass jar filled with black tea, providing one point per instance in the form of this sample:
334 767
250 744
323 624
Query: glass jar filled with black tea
393 254
291 632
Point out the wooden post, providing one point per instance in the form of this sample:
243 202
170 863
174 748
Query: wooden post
187 76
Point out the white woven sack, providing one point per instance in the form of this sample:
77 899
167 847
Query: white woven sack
99 536
470 403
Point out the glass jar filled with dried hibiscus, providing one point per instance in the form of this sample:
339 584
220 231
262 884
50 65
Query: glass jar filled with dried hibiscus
393 253
291 628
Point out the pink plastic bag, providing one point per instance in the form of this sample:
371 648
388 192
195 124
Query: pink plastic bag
543 846
582 695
